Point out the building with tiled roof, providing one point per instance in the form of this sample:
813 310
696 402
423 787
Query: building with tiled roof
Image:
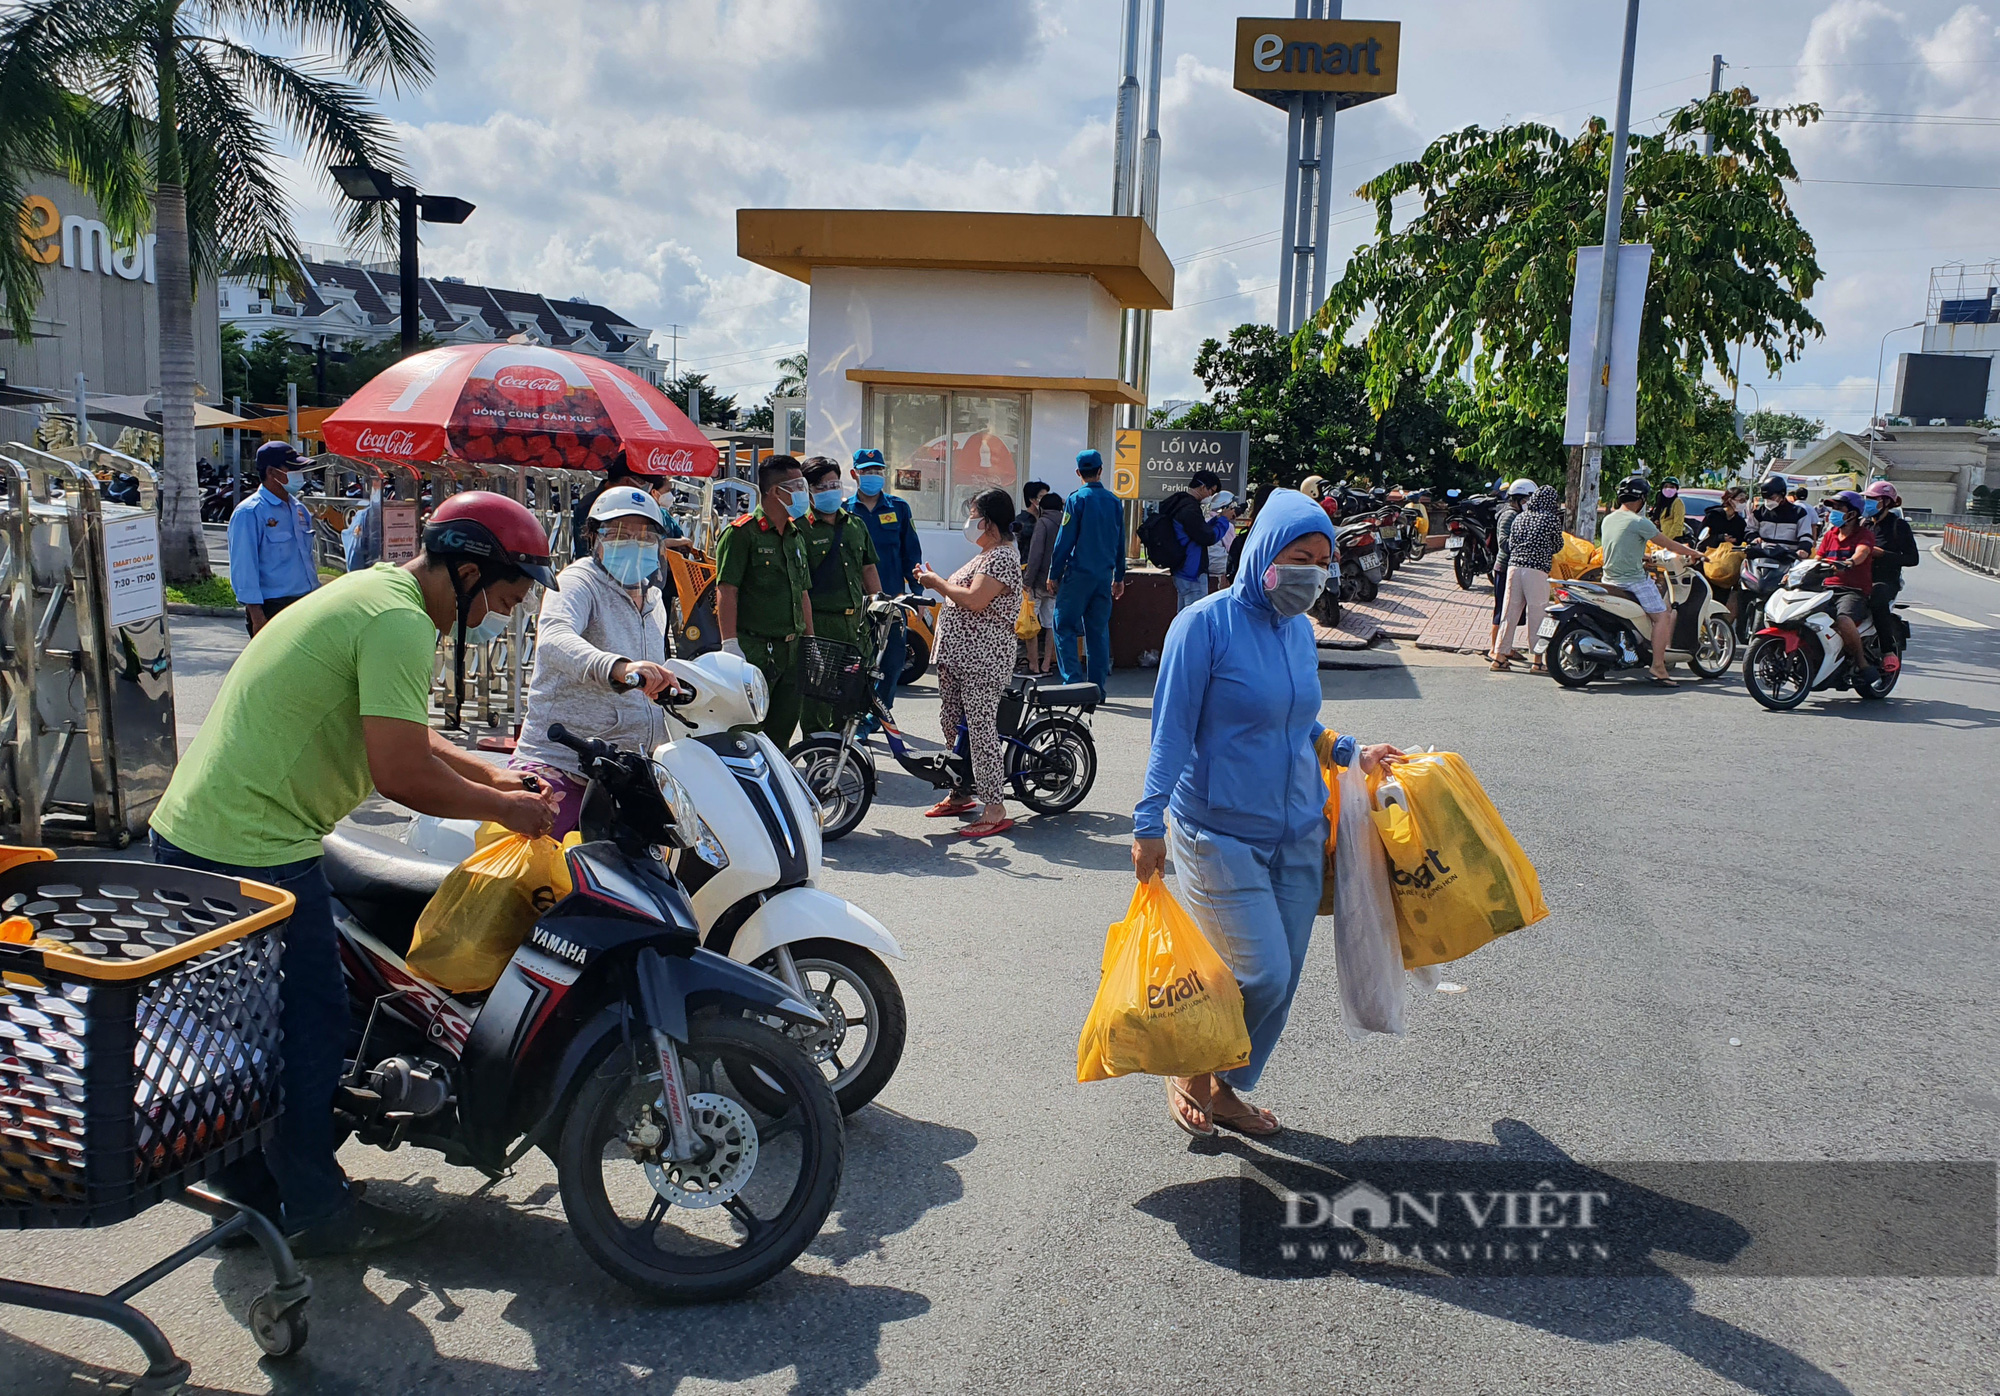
352 301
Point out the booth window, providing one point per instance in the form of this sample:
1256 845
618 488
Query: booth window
944 448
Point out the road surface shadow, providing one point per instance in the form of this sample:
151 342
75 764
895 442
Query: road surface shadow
1658 1306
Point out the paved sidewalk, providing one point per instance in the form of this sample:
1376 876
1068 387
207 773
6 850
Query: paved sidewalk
1422 603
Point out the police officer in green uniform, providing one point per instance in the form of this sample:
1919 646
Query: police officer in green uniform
843 574
762 606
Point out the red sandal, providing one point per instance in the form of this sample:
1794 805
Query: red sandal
980 831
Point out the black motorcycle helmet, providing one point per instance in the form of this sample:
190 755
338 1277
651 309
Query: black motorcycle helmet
1772 488
1631 488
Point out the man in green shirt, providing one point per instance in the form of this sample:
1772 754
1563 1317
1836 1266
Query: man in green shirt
329 701
1624 535
762 606
843 574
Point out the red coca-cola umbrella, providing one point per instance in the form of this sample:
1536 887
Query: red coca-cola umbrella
517 404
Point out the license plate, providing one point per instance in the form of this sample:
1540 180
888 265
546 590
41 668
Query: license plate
1454 543
1548 629
1370 561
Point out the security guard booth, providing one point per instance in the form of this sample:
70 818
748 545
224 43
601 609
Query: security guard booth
87 741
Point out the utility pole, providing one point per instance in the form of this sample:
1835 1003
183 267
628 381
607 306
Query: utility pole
1715 67
1149 202
1585 513
674 334
1124 177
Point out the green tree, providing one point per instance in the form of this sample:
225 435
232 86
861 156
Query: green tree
791 383
1306 418
1478 281
168 113
717 409
1771 427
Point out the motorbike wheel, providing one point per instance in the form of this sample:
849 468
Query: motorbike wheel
1058 767
775 1170
1776 679
1461 566
1365 589
868 1024
1326 610
841 810
1884 685
1568 665
916 659
1715 649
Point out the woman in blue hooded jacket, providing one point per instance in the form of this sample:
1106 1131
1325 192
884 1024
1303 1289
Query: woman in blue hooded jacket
1235 716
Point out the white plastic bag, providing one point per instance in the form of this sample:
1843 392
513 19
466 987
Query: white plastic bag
1368 957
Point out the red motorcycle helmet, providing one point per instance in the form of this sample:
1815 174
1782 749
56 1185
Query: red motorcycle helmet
493 531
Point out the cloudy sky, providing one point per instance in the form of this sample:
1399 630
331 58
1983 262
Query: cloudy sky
608 144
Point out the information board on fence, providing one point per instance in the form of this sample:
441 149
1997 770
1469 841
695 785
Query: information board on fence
399 532
132 570
1150 465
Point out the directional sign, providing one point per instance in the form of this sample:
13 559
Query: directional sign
1125 457
1162 461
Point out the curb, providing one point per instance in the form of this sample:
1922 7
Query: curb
181 608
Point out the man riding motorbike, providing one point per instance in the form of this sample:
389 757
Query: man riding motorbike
1850 544
604 626
1780 521
1882 511
329 703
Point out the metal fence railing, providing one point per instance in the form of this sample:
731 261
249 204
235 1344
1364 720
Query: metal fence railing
1974 546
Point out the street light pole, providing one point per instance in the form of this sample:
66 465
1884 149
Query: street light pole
1875 413
369 186
406 230
1607 291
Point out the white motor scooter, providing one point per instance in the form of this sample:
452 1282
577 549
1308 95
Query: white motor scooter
751 872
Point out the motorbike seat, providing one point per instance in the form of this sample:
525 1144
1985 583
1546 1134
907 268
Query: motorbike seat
1063 695
385 884
1617 591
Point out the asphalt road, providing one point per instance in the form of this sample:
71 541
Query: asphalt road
1770 939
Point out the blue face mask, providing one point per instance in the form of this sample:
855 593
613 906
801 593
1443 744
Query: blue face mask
488 630
630 560
1869 508
826 501
796 504
869 482
1836 517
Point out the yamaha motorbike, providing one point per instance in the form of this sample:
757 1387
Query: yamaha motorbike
1798 651
1763 576
697 1149
1469 537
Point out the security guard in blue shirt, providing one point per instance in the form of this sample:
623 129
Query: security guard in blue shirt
897 552
1088 565
271 561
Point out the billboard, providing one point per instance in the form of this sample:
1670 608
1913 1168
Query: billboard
1150 465
1355 58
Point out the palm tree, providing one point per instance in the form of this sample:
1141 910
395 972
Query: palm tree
167 113
791 375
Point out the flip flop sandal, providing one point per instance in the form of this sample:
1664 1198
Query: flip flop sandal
945 809
1661 681
1502 666
1252 1123
1176 1097
980 831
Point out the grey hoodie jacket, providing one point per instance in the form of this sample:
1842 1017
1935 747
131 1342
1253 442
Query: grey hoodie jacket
584 629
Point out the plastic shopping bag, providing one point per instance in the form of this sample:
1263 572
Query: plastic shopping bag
1725 563
1459 877
1576 557
1367 951
1026 626
1166 1003
1329 771
485 909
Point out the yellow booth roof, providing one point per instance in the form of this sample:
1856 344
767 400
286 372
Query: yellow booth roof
1122 254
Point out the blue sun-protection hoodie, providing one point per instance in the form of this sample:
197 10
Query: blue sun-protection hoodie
1236 707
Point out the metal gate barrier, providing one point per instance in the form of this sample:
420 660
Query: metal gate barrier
85 656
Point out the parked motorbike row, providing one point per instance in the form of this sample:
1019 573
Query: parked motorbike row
1373 535
681 1034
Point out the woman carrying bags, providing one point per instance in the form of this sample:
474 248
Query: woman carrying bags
1233 785
1533 540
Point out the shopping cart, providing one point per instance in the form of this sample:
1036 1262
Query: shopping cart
139 1024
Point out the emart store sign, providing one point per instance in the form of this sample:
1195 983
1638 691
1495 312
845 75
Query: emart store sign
83 244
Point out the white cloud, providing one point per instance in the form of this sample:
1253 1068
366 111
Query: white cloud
609 144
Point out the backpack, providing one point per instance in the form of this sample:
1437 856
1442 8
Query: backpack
1164 546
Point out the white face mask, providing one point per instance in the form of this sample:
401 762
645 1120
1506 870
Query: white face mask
975 530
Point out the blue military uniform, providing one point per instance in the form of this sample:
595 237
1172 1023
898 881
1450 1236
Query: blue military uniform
897 553
271 551
1089 556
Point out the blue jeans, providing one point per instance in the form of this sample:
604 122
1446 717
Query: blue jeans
298 1166
1083 607
895 652
1188 590
1256 906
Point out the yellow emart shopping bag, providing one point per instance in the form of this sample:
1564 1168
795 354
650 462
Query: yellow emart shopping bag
1166 1003
485 909
1459 878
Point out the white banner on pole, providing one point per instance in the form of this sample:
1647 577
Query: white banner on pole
132 569
1621 415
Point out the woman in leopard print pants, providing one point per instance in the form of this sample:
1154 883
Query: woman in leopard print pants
975 656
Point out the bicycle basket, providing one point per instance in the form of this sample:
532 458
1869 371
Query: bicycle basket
139 1033
834 673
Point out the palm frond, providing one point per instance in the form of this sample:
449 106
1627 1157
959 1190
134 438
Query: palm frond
239 211
372 39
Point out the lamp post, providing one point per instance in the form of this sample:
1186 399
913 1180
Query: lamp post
1876 412
367 186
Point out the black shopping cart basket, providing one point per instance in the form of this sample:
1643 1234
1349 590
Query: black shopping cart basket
139 1021
836 674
